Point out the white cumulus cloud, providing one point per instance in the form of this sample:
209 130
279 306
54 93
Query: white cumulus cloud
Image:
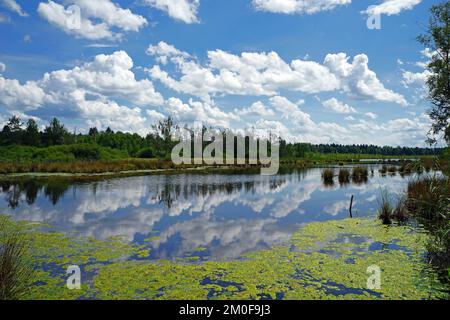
265 74
338 106
392 7
13 6
298 6
96 90
98 19
181 10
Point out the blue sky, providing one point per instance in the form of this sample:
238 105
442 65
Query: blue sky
311 71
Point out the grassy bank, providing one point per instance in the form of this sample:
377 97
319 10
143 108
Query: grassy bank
427 202
92 159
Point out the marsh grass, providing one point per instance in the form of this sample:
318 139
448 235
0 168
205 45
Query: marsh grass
392 169
87 166
344 176
429 198
386 210
427 201
328 177
360 175
15 271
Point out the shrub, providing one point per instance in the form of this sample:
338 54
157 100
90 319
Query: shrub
87 152
146 153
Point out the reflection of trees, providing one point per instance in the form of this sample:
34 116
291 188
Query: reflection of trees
30 189
171 192
55 190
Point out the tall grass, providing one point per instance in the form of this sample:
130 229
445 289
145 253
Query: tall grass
344 176
360 175
429 198
427 201
385 211
15 271
328 176
87 166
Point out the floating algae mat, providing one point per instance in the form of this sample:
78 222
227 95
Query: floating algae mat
324 260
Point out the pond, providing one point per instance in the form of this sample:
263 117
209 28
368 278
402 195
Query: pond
213 216
217 236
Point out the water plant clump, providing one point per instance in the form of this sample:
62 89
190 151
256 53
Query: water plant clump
344 176
427 201
15 270
328 177
360 175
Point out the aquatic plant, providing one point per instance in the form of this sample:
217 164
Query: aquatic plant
324 260
15 270
392 169
429 198
360 175
385 211
384 169
328 176
344 176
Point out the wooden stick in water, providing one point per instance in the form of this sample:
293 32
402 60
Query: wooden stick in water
351 206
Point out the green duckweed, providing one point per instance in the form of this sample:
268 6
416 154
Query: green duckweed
325 260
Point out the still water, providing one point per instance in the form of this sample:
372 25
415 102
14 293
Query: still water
212 216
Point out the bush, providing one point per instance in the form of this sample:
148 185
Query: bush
65 153
146 153
87 152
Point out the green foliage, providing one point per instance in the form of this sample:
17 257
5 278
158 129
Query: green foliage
146 153
64 153
55 133
328 176
344 176
15 270
437 39
31 135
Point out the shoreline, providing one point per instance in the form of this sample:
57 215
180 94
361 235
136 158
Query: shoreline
205 169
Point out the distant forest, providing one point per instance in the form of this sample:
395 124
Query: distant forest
157 144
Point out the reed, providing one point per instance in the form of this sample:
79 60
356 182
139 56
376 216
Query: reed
15 271
344 176
328 176
360 175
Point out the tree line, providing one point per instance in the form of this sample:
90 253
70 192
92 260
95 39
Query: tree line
158 143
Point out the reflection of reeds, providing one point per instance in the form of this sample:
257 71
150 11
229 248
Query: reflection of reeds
392 169
328 176
344 176
15 271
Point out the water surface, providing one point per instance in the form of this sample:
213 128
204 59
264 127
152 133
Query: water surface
211 216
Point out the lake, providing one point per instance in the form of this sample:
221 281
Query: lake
210 216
